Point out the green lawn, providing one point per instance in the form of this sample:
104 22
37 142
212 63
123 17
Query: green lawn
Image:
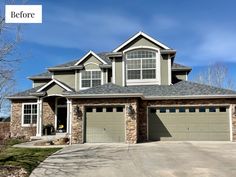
24 157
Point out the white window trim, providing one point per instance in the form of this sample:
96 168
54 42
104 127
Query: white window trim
157 80
22 114
80 78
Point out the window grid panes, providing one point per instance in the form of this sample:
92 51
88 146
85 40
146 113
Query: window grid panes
30 114
141 64
90 79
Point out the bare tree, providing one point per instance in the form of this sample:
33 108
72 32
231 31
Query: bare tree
215 75
9 39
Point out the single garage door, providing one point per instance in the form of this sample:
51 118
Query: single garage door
189 124
105 124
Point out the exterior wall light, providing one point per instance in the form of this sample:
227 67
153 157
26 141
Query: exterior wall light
78 112
130 110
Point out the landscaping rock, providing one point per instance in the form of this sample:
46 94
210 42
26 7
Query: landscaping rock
10 171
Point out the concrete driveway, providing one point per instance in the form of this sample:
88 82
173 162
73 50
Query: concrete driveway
167 159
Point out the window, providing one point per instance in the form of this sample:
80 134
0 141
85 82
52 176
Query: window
90 78
89 109
141 64
162 110
172 110
202 109
119 109
212 109
29 113
222 109
99 109
181 109
153 110
192 110
109 109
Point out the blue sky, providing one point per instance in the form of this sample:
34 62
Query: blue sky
202 32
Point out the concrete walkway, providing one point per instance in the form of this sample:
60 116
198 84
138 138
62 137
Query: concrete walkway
165 159
31 145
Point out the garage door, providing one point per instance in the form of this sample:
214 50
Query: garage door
105 124
189 124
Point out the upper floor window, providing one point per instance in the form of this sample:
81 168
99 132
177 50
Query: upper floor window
141 64
90 79
29 115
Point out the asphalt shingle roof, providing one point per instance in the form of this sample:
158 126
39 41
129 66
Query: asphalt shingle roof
26 92
182 88
72 63
45 75
177 66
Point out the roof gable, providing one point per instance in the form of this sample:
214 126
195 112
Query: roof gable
87 55
143 35
54 81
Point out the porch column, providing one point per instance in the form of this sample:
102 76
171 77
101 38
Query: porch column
39 117
69 106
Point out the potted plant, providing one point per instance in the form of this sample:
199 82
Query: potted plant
48 129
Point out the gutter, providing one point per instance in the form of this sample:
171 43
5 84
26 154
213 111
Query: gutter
188 97
168 51
135 95
21 97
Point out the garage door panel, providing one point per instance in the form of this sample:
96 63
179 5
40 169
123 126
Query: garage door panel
105 127
189 125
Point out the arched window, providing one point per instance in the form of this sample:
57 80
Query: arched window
141 65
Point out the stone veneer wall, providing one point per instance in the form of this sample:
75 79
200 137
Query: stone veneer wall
48 111
142 121
234 121
16 116
77 119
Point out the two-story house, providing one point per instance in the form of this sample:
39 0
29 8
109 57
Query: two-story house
135 93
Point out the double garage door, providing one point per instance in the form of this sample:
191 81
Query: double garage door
105 124
189 124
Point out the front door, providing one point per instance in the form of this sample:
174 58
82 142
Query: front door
61 119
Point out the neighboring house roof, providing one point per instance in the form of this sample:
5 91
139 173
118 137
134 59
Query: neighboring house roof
180 90
179 67
45 75
145 36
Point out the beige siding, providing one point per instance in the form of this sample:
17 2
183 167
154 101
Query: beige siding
118 72
54 89
104 76
67 77
91 59
140 41
181 75
164 69
37 83
77 77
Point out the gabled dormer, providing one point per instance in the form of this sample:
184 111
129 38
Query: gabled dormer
142 60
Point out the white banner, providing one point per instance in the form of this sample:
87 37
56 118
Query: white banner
23 13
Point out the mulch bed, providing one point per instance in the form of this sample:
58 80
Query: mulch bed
10 171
